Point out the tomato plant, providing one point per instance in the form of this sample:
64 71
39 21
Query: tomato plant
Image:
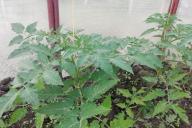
91 81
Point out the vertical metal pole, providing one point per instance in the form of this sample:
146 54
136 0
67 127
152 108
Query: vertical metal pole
50 14
53 14
56 14
173 7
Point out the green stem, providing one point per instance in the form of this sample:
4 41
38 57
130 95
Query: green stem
167 90
102 122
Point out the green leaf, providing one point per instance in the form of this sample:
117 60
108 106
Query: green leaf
149 60
154 94
2 124
92 93
70 122
83 60
30 96
107 102
31 28
57 108
171 118
39 119
19 52
161 107
17 115
129 112
137 100
40 85
49 93
175 76
162 125
89 110
40 48
119 62
178 94
7 100
105 65
52 77
148 31
43 58
17 28
124 92
122 123
121 105
69 68
94 124
150 79
16 40
181 113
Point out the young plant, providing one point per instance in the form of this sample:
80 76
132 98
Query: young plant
90 81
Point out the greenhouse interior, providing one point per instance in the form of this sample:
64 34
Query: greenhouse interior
95 64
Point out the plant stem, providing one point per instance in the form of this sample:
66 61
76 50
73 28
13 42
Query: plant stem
167 91
81 94
102 122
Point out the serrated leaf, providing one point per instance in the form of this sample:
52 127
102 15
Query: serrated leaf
181 113
16 40
92 93
94 124
69 68
17 115
30 96
43 58
18 53
149 60
2 124
57 108
129 112
107 102
124 92
148 31
122 64
137 100
122 123
175 77
171 118
31 28
70 122
89 110
162 125
40 84
50 93
83 60
7 100
154 94
39 119
17 28
161 107
150 79
121 105
177 94
52 77
105 65
40 48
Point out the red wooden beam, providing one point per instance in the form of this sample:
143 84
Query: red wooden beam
173 7
53 14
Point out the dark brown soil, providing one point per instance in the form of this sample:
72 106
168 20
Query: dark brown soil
4 85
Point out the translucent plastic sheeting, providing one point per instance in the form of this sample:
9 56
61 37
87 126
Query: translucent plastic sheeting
22 11
184 11
110 17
